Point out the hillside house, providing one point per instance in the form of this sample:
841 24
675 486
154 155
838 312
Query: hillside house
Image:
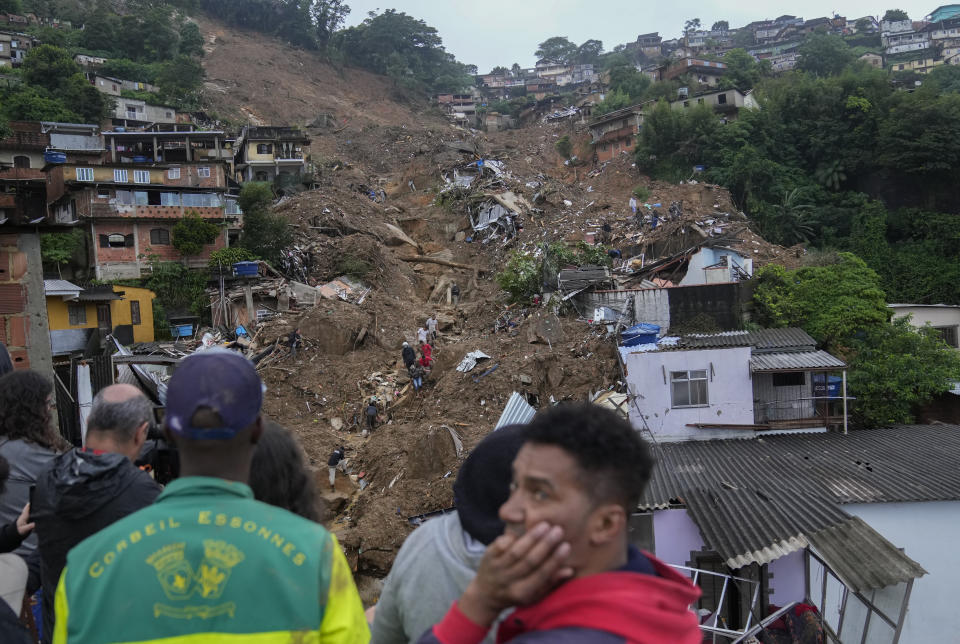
89 61
944 12
906 41
74 314
114 86
649 44
733 384
727 103
859 526
267 153
868 25
944 318
705 72
615 132
873 59
921 65
14 47
133 113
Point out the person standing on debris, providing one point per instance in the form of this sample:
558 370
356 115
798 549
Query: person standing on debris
455 294
295 340
416 376
421 335
564 559
337 460
432 326
371 412
87 489
437 561
426 355
197 565
408 354
633 204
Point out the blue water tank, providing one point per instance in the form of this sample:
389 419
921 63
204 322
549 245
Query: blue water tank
52 156
246 269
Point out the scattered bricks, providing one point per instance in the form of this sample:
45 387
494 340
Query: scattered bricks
20 359
19 330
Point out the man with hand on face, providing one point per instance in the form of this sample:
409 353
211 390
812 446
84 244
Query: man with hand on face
564 559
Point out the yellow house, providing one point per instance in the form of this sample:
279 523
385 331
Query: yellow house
73 314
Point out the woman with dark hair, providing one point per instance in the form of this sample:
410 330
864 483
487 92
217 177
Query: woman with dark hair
27 441
279 474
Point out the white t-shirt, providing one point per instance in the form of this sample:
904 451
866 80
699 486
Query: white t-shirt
421 334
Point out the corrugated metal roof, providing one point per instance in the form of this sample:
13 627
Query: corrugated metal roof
755 500
800 360
517 412
60 287
761 340
904 463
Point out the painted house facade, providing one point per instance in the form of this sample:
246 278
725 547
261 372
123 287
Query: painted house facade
616 132
75 313
266 153
944 318
733 384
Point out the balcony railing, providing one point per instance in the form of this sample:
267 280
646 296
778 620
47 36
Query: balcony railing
821 411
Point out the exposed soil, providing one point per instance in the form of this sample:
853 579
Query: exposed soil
353 350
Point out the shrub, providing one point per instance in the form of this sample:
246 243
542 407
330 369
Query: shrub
564 146
230 256
520 277
192 233
353 266
642 193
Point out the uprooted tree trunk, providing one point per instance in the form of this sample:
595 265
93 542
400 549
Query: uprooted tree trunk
442 262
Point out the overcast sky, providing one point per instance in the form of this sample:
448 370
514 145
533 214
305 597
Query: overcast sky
487 33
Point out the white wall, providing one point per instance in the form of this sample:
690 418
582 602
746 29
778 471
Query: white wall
697 273
927 532
935 315
729 392
675 536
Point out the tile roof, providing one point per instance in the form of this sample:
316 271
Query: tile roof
799 360
755 500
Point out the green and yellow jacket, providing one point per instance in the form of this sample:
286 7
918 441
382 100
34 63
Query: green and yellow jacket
207 563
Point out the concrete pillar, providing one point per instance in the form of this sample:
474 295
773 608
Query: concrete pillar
251 311
156 151
189 149
38 344
112 142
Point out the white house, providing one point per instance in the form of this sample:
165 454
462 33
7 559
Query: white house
717 265
733 384
862 526
945 318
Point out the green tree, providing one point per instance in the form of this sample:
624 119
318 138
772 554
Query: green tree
626 79
868 237
824 55
895 369
31 104
720 25
832 303
180 81
192 233
498 70
945 77
191 40
520 277
48 67
564 146
11 6
265 234
328 16
743 70
895 15
589 52
59 248
556 50
615 100
788 222
515 69
227 257
862 24
691 26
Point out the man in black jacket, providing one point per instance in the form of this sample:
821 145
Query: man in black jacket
86 489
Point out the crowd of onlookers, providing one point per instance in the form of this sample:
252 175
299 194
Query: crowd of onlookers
96 550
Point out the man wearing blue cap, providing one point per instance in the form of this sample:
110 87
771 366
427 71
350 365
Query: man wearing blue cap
207 560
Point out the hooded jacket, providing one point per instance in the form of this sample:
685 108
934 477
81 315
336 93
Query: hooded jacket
645 602
79 494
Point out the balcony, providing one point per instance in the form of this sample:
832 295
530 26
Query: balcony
103 210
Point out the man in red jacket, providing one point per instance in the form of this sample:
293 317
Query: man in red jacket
564 559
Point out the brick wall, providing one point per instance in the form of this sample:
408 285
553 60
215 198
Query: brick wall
14 320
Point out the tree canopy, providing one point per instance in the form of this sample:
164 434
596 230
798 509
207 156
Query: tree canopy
556 50
895 15
265 234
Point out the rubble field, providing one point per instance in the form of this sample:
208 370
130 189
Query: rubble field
399 214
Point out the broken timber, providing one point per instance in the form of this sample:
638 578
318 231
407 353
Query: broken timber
434 260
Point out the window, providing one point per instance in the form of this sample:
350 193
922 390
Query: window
21 161
116 241
689 388
722 99
203 171
160 236
264 148
120 176
173 173
84 174
141 176
77 313
948 334
124 197
797 379
135 312
103 193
